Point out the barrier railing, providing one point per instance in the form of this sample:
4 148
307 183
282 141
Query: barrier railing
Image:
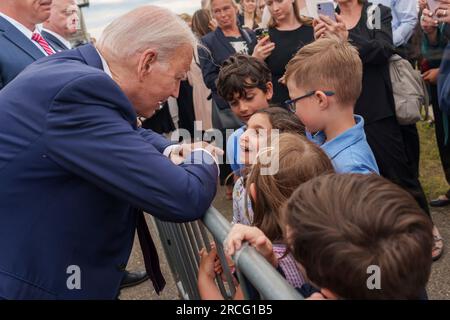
182 243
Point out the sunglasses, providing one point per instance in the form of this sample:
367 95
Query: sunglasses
292 104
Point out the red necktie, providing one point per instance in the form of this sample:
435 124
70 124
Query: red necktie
43 43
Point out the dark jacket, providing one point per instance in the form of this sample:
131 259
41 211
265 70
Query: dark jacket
16 52
73 166
375 48
218 49
54 41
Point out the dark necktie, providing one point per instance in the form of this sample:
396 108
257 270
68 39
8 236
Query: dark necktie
150 254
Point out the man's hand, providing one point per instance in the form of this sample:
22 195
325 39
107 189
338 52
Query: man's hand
179 154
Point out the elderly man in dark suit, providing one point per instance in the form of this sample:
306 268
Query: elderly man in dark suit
20 40
75 167
62 24
57 30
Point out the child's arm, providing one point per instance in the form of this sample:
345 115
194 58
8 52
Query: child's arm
206 274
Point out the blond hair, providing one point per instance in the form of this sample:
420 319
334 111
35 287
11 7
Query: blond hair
301 19
328 64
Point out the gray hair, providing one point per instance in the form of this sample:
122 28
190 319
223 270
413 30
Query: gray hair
143 28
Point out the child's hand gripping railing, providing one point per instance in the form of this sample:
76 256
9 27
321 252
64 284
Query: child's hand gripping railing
182 243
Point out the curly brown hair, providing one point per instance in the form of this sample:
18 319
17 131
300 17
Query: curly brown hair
239 73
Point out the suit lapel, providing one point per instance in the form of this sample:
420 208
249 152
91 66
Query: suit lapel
19 39
54 42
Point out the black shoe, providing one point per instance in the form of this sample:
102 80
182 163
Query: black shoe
131 279
439 202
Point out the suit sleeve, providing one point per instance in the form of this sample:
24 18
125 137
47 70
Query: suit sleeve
378 49
157 140
90 138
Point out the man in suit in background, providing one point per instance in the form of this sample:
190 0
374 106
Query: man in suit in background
62 24
74 165
20 40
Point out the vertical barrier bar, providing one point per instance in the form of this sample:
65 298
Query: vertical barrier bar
190 265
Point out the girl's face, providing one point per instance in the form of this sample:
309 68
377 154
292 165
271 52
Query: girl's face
224 12
280 9
249 6
255 137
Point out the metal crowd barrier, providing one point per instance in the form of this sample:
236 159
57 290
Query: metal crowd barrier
182 243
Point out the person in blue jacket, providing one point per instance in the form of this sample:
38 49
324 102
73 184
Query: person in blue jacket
75 167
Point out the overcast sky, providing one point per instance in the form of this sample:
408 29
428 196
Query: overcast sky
102 12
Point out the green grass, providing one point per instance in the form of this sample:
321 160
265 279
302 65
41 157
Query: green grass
431 173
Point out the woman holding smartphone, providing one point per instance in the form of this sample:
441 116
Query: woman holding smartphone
288 33
354 22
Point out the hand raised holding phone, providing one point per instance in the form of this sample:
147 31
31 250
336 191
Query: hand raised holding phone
263 48
325 26
326 9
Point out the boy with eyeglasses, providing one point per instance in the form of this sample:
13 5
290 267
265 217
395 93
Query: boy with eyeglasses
324 81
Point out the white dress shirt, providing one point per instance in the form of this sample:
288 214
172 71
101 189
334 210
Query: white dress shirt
26 32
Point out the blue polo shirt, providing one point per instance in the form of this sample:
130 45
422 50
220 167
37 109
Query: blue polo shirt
349 152
233 151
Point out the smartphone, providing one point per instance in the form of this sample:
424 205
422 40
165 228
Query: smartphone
261 33
326 9
433 5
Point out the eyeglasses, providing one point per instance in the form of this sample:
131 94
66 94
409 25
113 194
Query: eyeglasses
292 104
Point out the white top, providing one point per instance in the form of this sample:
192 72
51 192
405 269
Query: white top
59 37
26 32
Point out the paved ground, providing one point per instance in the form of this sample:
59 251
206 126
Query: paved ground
438 288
